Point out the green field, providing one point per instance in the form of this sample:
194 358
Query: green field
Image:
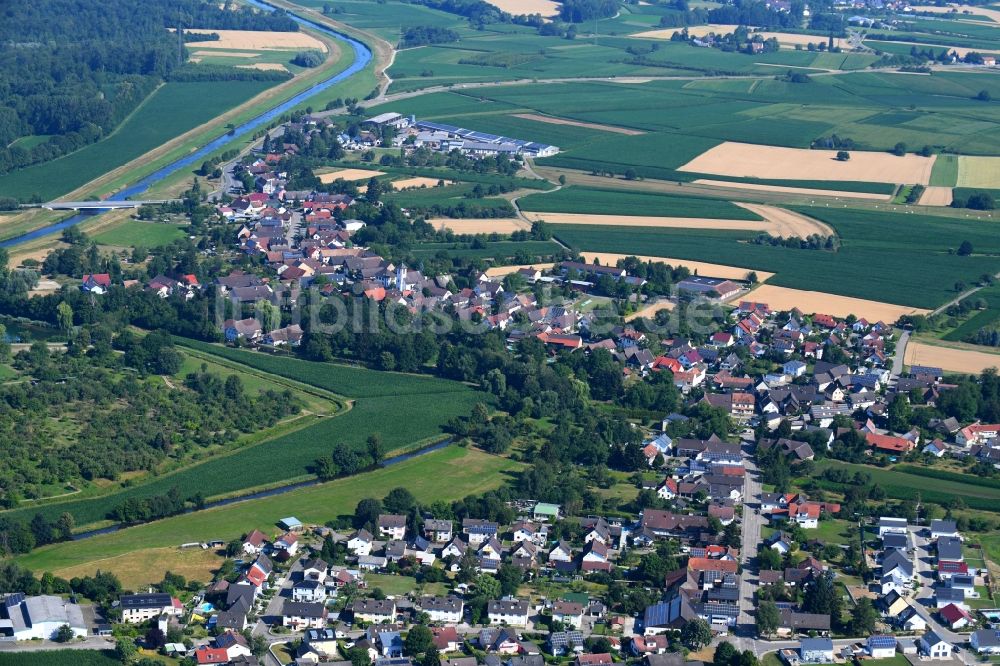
890 257
945 172
980 319
133 233
516 252
403 409
575 199
899 484
172 110
446 475
60 658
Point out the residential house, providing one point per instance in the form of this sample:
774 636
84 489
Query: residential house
933 646
446 639
565 642
374 611
569 613
301 615
392 526
438 531
881 646
443 609
816 651
138 608
508 611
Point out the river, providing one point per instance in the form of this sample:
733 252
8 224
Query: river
362 56
280 490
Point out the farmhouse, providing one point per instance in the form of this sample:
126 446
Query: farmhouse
709 287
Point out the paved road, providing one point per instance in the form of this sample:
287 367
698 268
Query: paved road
899 355
752 523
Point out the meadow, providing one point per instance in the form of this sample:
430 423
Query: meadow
448 474
576 199
895 258
403 409
134 233
172 110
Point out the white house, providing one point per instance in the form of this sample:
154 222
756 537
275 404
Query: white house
392 526
309 591
508 611
443 609
887 525
985 641
361 542
933 646
569 613
301 615
138 608
881 647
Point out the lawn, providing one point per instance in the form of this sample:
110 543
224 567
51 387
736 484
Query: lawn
172 110
133 233
419 407
466 472
834 531
402 585
576 199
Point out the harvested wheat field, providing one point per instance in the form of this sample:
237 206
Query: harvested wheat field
476 225
226 54
265 66
948 358
546 8
347 174
805 191
144 567
648 221
936 196
258 40
577 123
418 181
976 171
810 302
747 160
702 268
500 271
650 310
782 222
981 11
777 221
784 38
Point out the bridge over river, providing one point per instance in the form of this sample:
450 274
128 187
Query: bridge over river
110 204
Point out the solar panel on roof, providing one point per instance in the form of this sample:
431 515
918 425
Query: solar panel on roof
882 641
